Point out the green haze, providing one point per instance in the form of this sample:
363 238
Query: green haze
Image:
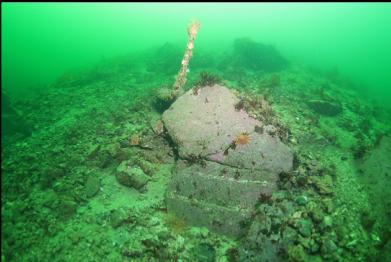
272 145
42 40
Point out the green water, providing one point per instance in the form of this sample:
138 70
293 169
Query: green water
81 94
353 38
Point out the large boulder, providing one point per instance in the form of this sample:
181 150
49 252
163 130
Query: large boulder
240 166
222 185
205 124
262 152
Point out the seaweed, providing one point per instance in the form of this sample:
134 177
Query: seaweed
208 79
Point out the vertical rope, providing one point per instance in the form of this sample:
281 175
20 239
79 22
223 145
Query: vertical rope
192 31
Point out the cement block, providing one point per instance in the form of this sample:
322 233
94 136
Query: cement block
221 220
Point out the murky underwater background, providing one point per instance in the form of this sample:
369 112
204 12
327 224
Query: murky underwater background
82 98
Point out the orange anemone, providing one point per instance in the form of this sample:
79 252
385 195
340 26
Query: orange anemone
242 139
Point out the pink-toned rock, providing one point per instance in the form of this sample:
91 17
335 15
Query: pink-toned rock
222 185
263 152
206 124
221 194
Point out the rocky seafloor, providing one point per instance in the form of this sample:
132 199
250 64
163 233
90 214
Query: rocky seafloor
90 183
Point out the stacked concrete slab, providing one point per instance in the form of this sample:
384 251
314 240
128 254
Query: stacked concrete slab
222 192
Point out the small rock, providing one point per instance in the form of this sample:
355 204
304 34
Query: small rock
289 236
301 180
103 159
151 241
297 215
75 237
305 242
305 227
259 129
375 238
368 219
67 208
297 253
317 215
326 108
328 247
133 250
326 224
158 127
165 95
324 184
92 186
279 196
118 217
301 200
50 199
146 166
328 221
205 252
312 206
135 140
50 175
131 176
270 129
314 246
164 235
154 221
328 205
112 149
93 150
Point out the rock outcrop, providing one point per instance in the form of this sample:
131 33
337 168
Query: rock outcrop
240 166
